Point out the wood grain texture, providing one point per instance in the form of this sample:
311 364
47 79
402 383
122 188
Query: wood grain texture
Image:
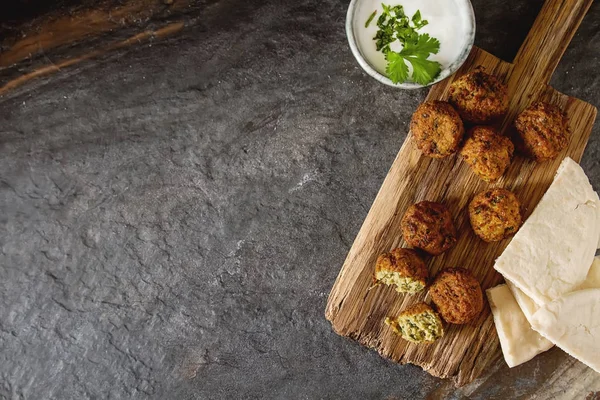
466 350
59 29
563 377
68 36
52 68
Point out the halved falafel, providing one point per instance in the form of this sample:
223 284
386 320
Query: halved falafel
402 268
417 324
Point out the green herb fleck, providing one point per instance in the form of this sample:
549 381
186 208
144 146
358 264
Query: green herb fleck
394 25
497 199
370 19
417 21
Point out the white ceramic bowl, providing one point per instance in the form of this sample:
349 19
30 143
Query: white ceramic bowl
355 21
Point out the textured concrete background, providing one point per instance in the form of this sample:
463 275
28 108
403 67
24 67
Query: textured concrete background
173 216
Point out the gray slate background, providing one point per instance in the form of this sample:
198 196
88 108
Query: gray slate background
173 216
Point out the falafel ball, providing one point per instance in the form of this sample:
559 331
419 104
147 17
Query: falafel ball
544 131
479 97
417 324
457 295
402 268
437 129
428 226
495 214
487 152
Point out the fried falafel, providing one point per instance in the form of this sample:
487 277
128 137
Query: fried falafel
402 268
495 214
479 97
428 226
487 152
437 129
418 324
457 295
543 130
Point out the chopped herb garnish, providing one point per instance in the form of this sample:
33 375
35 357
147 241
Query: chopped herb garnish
370 19
394 25
497 199
417 21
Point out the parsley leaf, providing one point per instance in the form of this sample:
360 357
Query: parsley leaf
406 35
394 25
417 21
424 71
396 69
383 37
423 46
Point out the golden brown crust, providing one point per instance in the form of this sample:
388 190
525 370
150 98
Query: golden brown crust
457 295
437 129
428 226
495 214
406 262
479 97
543 130
417 309
487 152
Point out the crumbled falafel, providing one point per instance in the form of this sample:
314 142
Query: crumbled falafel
543 130
495 214
428 226
457 295
487 152
402 268
479 97
437 129
418 324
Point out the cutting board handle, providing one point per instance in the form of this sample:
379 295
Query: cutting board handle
549 36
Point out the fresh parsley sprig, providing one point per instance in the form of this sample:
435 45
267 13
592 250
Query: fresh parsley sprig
394 25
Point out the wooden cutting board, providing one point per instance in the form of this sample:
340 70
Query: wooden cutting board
465 351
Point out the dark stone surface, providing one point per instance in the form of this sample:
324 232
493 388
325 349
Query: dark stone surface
173 216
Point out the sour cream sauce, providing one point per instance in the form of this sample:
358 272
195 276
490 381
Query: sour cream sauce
446 23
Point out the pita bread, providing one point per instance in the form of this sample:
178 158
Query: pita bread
551 254
573 324
518 341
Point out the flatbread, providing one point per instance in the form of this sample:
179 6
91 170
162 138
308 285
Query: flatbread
518 341
573 324
550 255
592 281
527 306
598 245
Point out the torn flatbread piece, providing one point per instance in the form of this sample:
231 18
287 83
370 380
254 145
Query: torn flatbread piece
518 341
551 254
593 277
573 324
527 305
